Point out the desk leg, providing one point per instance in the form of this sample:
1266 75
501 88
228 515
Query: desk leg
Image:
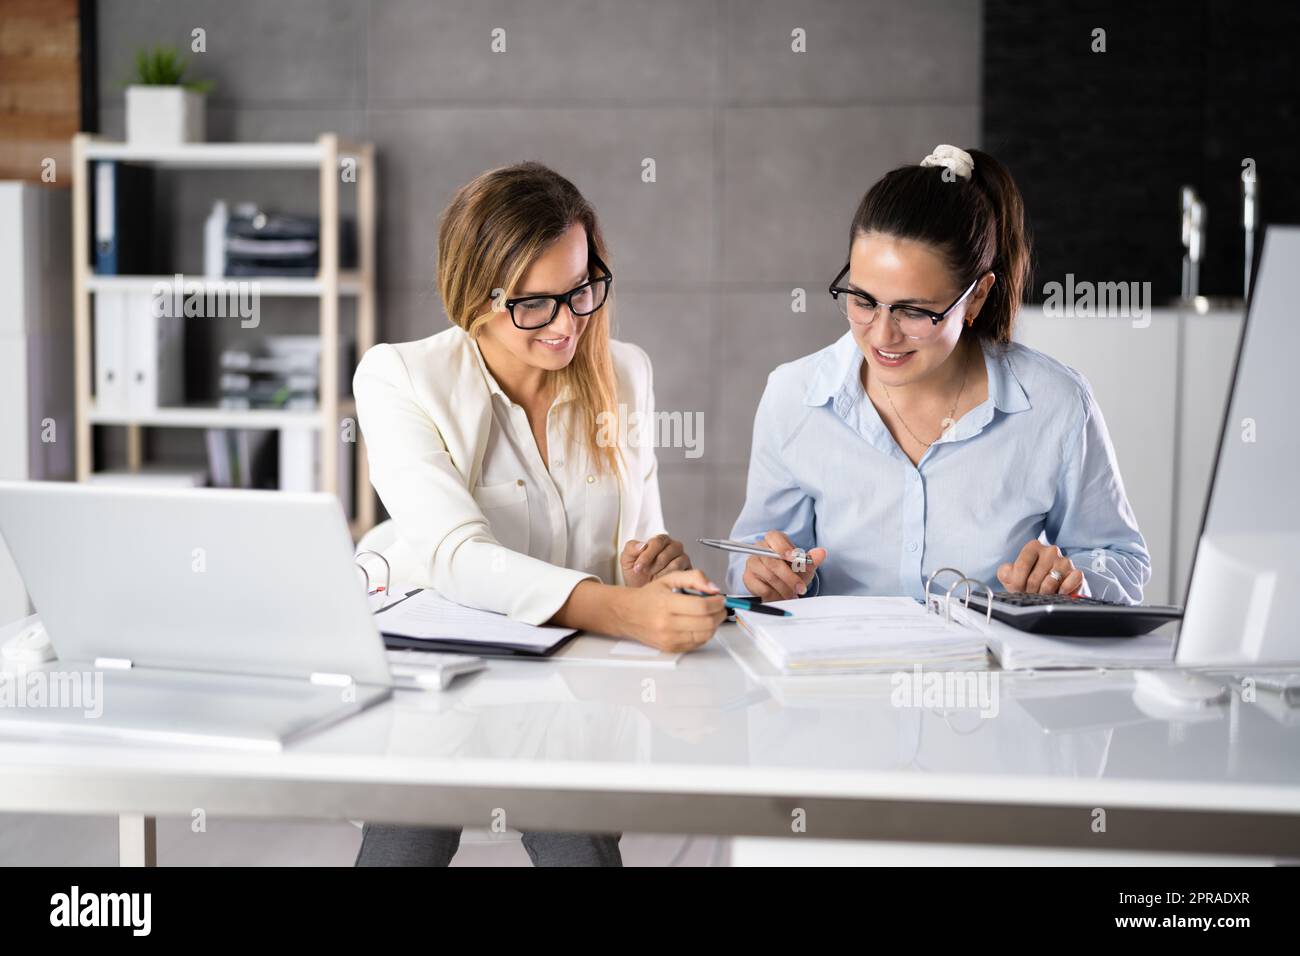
137 840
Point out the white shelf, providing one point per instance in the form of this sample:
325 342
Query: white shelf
349 284
209 416
319 157
214 155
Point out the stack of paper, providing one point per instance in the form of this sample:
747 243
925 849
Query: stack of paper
1020 650
836 635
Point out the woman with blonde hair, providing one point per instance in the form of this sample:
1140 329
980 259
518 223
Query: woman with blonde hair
490 445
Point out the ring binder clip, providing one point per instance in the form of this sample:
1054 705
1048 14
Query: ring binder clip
932 601
388 571
988 615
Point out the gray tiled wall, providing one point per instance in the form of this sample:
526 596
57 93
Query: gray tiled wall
761 153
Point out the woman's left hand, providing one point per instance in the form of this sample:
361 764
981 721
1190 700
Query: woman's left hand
1031 572
643 561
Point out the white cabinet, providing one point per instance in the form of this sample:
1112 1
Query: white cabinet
36 402
1162 389
1209 347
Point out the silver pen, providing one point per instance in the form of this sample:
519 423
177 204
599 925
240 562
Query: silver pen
798 560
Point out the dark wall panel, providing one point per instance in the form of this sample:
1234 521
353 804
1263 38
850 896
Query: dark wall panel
1101 142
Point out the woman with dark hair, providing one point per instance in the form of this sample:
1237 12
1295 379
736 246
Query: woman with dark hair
925 437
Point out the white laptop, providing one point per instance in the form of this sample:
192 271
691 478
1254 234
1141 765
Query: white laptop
225 617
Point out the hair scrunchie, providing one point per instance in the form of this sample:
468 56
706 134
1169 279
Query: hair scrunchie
950 157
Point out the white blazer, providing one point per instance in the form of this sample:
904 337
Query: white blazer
425 411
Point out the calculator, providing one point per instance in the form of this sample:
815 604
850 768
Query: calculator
1075 616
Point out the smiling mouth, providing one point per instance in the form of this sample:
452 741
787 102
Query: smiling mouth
556 343
891 356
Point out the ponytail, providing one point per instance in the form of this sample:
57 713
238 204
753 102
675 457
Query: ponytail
1011 262
968 207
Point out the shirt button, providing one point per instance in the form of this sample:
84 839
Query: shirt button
591 479
911 546
519 482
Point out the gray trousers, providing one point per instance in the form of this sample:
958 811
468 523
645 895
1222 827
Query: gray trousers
383 844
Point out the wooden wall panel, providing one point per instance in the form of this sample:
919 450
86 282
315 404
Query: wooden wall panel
40 88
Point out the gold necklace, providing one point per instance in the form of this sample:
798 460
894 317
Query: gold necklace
947 422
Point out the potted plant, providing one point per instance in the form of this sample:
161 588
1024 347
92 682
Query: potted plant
161 108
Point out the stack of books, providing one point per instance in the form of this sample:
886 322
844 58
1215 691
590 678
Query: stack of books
251 381
236 457
261 243
283 373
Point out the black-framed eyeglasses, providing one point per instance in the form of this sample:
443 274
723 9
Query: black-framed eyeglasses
532 312
913 321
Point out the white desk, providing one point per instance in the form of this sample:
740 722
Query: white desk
704 748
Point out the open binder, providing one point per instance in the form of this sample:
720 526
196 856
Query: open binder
854 634
943 605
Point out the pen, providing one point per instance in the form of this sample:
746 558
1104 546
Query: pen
798 561
739 603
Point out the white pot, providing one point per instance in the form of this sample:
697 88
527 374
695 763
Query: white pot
164 115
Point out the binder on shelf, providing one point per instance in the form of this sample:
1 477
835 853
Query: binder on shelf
139 357
234 456
155 356
105 249
298 456
243 458
220 468
221 464
300 464
123 213
110 352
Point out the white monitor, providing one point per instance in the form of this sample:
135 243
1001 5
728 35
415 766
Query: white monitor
1242 604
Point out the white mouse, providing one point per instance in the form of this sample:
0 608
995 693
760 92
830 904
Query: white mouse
31 645
1182 690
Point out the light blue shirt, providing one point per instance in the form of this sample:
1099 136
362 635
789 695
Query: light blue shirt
1033 460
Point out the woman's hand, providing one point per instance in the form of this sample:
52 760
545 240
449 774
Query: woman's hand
655 616
1032 571
772 579
643 561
